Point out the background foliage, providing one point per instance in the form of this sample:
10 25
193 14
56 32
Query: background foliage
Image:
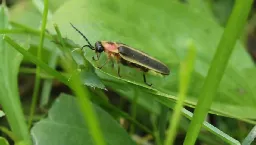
127 110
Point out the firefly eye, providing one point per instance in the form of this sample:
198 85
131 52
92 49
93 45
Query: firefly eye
99 47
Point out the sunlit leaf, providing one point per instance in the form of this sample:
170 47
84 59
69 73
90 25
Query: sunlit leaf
162 30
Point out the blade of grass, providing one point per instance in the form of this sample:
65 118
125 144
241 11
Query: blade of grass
185 74
207 126
134 110
233 29
9 133
26 29
84 103
88 112
36 61
250 137
162 122
38 69
43 75
46 90
40 7
213 129
11 31
153 119
9 95
82 94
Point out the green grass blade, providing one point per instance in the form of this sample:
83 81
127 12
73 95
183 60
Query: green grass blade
233 29
8 132
38 69
250 137
40 6
162 122
154 122
134 111
12 31
82 94
36 61
213 129
9 95
47 85
25 29
185 73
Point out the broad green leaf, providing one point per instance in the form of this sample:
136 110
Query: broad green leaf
222 9
3 141
85 69
65 125
54 5
24 12
161 29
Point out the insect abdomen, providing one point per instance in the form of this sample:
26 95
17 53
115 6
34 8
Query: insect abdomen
134 65
142 59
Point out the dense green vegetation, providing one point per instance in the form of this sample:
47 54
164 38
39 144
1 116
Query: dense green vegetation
53 93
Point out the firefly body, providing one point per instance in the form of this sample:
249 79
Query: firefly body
127 56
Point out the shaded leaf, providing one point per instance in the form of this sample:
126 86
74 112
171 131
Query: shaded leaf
65 125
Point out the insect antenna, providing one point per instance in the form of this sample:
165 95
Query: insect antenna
90 45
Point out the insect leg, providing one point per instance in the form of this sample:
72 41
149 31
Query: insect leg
86 46
112 63
98 57
104 64
109 57
145 81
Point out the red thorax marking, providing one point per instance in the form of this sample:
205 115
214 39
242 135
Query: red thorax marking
111 47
